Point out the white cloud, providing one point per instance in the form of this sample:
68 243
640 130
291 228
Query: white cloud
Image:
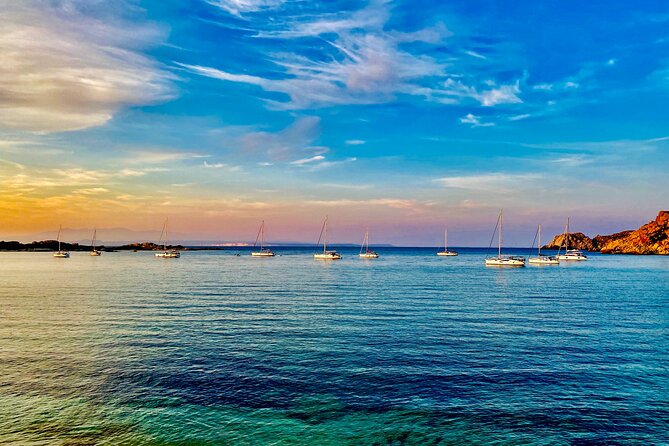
221 166
91 191
504 94
413 206
304 161
543 87
160 156
490 182
475 54
454 91
475 121
65 70
572 160
355 142
238 7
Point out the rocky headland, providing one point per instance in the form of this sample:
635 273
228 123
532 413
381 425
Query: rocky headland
651 238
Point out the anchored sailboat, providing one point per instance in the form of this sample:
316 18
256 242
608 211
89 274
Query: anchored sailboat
570 254
95 252
542 259
367 253
264 252
446 252
326 255
165 253
60 253
501 260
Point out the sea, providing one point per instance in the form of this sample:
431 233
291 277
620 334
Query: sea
219 348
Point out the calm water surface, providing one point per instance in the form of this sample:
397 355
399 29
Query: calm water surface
409 349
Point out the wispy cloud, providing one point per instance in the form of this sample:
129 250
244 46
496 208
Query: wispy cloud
475 121
360 59
304 161
228 167
63 69
296 140
489 182
160 156
413 206
238 7
355 142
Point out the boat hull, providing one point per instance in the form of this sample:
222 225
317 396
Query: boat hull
61 255
447 253
574 255
368 255
505 261
328 256
543 261
95 253
262 254
168 254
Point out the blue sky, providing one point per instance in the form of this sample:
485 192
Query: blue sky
404 116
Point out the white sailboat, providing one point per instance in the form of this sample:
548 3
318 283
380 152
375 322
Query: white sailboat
446 252
570 254
326 255
95 252
264 252
165 253
367 253
501 260
60 253
542 259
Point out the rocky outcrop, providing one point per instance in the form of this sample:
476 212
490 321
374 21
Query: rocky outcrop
577 240
651 238
600 240
148 246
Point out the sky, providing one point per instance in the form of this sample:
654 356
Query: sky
403 116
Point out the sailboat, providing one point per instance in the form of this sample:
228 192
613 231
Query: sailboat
446 252
60 253
326 255
167 254
367 253
264 252
542 259
501 260
95 252
570 254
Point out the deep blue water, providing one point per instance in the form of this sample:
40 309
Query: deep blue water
407 349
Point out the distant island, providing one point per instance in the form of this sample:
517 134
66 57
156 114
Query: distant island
651 238
52 245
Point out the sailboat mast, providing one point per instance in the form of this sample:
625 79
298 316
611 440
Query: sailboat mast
93 242
165 241
499 239
60 228
567 237
262 235
539 241
446 239
367 240
325 238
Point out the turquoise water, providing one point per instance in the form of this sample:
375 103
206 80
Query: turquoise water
409 349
